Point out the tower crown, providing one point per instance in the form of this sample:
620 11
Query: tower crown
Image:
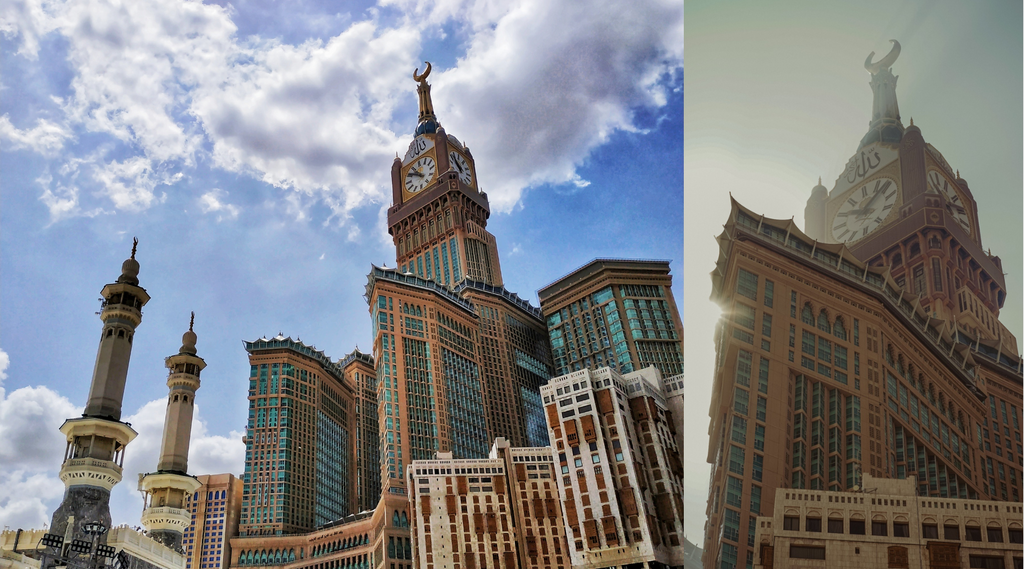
427 122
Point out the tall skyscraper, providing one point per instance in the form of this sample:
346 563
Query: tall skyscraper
215 508
869 345
617 313
165 515
359 373
96 441
300 441
459 358
619 468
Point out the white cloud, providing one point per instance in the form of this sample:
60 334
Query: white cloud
131 184
31 447
212 202
541 84
46 138
551 91
208 454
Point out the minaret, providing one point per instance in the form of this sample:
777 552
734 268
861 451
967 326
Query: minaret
164 491
95 442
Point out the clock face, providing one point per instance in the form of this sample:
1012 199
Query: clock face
938 183
462 167
864 209
420 174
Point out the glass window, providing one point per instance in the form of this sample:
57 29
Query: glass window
813 524
900 529
930 531
806 552
746 285
835 526
857 527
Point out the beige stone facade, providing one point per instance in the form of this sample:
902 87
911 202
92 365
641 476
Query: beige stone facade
885 524
619 471
215 509
498 512
368 540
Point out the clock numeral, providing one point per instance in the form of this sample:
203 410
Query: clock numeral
878 220
851 201
840 226
864 232
955 198
842 237
885 186
864 192
888 207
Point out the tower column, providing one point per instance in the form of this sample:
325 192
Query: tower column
96 441
164 491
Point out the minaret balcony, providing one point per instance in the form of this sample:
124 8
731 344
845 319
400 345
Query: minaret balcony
166 518
96 427
168 480
90 472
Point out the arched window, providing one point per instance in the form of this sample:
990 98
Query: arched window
405 520
395 521
807 315
838 329
823 323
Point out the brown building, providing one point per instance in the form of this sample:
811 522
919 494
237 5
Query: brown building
359 373
215 508
368 540
871 343
501 512
459 359
620 475
617 313
885 524
300 449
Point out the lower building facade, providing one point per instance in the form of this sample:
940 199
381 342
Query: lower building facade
215 508
885 523
618 468
498 512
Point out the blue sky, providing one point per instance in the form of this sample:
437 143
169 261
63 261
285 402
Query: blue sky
248 146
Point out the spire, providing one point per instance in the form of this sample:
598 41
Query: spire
427 120
130 267
188 339
885 125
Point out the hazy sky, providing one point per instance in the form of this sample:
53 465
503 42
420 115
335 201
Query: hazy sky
248 145
777 95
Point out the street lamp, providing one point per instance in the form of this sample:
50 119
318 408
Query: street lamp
71 555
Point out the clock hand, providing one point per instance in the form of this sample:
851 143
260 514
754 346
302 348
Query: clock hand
415 172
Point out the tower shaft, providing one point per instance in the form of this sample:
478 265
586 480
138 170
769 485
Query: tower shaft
165 491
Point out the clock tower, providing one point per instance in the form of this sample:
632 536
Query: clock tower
899 204
438 218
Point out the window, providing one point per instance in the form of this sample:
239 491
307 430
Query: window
857 527
995 535
972 534
769 293
880 528
791 523
985 562
835 526
900 529
930 531
1016 535
953 533
806 552
747 285
813 524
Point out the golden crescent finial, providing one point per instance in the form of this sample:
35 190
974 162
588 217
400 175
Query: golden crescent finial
884 63
421 78
135 245
192 321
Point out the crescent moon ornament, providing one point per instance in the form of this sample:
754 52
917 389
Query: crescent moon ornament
884 63
421 78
